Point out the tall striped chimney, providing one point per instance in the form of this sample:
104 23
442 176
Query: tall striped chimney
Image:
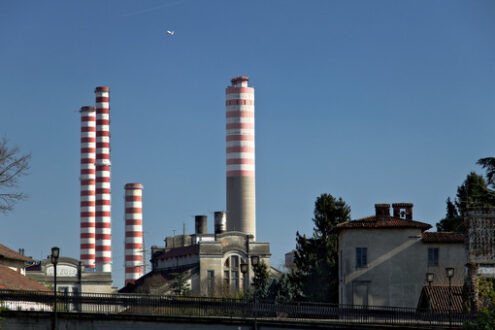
87 180
133 232
103 205
241 199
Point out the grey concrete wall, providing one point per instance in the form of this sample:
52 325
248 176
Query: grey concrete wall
397 266
241 204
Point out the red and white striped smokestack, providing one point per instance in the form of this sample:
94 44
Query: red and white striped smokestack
103 201
87 178
241 199
133 232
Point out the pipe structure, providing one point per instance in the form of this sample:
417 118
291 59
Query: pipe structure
103 258
241 199
133 232
87 181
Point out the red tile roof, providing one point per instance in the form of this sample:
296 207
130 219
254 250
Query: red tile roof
383 223
442 237
12 280
7 253
180 252
437 298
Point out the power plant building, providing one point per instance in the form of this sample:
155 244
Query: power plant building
219 262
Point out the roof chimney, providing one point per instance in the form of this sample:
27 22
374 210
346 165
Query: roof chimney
382 211
403 210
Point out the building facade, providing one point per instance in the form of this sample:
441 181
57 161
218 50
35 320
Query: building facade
211 264
71 277
384 259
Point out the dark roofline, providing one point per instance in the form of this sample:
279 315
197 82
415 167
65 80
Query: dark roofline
442 237
371 222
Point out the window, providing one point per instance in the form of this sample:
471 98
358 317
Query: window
211 281
226 277
231 274
235 280
432 256
361 257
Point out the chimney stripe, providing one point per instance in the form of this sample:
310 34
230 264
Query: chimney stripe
240 156
87 183
103 198
133 232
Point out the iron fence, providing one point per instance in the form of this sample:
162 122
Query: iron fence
205 307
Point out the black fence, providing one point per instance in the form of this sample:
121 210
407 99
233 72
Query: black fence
205 307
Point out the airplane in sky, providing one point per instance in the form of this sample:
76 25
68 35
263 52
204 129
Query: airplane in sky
171 33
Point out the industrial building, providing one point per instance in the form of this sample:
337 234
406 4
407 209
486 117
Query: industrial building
211 263
219 262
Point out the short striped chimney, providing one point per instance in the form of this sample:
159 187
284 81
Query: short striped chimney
103 204
87 180
133 232
241 199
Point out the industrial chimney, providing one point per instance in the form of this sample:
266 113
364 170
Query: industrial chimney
241 199
220 222
103 204
87 181
200 222
133 232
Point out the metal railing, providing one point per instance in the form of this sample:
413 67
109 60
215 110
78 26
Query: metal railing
205 307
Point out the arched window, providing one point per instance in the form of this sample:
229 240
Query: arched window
231 271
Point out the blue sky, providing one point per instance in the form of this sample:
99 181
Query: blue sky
374 101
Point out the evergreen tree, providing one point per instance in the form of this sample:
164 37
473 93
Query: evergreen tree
473 192
179 285
316 258
261 280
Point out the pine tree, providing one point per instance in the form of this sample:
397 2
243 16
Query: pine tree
316 258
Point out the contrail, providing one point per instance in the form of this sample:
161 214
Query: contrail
139 12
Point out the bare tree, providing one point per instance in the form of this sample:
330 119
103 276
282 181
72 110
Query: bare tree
12 166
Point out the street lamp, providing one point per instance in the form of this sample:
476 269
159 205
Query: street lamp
244 270
54 259
429 278
255 260
449 271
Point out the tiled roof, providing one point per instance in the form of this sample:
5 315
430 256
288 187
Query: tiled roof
386 223
12 280
7 253
180 252
437 298
442 237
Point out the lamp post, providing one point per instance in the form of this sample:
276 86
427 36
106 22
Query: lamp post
54 259
449 271
254 263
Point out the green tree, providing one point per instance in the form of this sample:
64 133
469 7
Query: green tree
473 192
261 280
283 290
489 165
316 258
179 285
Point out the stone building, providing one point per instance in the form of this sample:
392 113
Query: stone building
71 277
211 264
384 259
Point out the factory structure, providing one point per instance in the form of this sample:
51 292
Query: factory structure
219 262
210 262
